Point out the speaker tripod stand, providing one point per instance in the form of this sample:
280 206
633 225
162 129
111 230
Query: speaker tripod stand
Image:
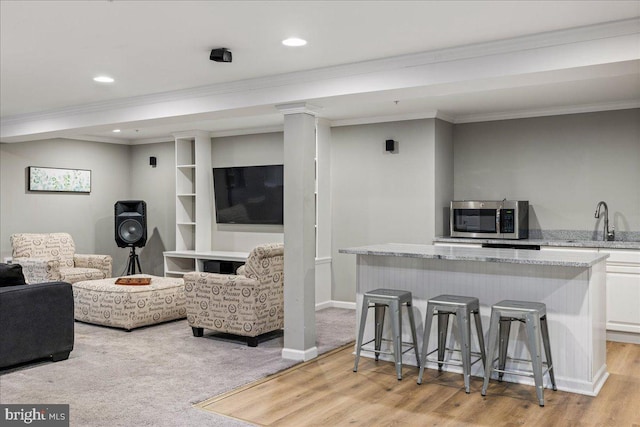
133 261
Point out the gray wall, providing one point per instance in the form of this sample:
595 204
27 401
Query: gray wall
443 172
563 165
87 217
157 187
379 197
246 150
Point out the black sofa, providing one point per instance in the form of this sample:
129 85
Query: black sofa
36 321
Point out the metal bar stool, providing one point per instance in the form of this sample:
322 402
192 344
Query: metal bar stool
382 298
534 316
462 307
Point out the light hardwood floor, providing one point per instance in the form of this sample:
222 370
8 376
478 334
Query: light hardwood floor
325 392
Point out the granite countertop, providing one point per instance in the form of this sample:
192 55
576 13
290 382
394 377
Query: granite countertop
577 243
511 256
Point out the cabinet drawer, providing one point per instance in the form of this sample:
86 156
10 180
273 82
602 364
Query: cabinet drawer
624 269
619 256
566 249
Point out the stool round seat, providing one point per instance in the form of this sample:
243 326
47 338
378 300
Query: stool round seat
385 294
521 307
455 300
534 316
381 299
463 307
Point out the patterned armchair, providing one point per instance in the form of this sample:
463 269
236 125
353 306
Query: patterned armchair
249 304
52 257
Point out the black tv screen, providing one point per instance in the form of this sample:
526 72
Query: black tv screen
249 194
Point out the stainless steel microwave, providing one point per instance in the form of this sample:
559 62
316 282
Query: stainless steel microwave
490 219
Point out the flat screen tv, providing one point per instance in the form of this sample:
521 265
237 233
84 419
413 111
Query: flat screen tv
249 194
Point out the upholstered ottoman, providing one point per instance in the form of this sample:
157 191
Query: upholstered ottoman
102 302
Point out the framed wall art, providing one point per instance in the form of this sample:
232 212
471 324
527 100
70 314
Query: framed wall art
59 180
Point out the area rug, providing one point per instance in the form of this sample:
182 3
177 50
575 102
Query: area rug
154 375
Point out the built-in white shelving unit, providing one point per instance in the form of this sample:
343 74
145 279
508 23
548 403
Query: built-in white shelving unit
185 193
194 205
176 263
194 191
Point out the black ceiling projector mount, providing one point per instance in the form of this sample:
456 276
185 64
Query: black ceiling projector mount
220 55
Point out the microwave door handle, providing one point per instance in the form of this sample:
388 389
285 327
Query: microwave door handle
498 222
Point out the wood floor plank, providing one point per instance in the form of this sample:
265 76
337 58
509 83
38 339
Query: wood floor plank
624 359
326 392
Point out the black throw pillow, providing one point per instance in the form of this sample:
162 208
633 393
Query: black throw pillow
11 275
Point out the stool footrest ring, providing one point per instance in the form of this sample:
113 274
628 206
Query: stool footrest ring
373 350
454 362
520 373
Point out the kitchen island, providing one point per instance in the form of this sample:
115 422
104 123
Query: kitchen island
572 285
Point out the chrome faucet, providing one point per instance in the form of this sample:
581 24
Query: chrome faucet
606 234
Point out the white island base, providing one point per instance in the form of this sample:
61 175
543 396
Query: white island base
571 285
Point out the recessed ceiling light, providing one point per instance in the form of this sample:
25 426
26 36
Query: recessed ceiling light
116 131
294 41
103 79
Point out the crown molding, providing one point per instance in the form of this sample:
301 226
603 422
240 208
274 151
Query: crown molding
385 119
152 140
470 118
446 117
393 118
252 131
83 138
172 137
299 108
553 111
553 38
94 138
190 133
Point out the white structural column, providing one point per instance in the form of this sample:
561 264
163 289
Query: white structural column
323 214
299 232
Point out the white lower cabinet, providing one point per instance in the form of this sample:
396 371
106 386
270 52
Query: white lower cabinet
623 294
623 289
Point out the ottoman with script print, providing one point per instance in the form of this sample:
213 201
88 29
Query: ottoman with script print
103 302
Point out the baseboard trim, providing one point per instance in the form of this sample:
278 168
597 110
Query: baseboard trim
336 304
312 353
626 337
304 355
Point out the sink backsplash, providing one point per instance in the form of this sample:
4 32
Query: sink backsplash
624 236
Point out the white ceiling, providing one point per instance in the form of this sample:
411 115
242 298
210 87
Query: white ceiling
362 56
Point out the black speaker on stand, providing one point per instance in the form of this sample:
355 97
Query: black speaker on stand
131 229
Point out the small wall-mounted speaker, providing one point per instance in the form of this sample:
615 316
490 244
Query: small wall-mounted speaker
153 161
390 146
221 55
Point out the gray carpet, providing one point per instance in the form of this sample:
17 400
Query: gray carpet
151 376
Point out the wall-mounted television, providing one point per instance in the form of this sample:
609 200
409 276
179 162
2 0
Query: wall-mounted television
249 194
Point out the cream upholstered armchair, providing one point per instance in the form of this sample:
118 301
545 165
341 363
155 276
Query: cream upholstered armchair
52 257
249 304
